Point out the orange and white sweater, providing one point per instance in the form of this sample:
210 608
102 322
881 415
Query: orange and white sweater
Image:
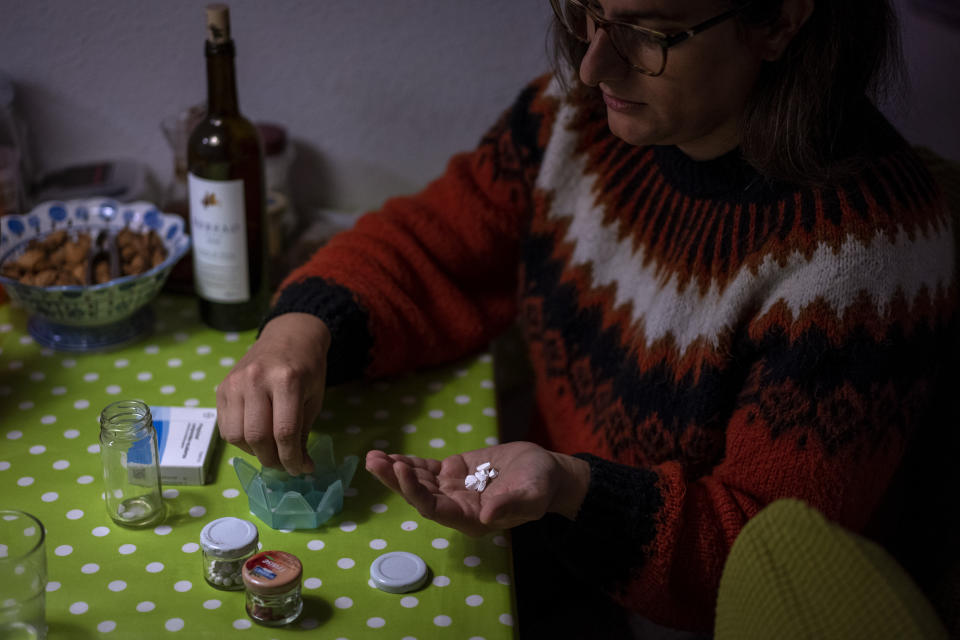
707 340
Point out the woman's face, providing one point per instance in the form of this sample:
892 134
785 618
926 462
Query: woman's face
697 101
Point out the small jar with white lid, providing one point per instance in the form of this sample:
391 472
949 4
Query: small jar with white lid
227 543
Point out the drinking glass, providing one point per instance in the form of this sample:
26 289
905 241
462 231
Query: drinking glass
23 576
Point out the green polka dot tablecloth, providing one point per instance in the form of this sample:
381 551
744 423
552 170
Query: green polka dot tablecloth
107 581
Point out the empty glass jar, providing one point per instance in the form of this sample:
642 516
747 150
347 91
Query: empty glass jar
131 464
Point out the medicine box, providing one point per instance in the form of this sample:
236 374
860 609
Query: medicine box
186 440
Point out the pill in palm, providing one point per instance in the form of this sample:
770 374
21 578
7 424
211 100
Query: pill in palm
478 480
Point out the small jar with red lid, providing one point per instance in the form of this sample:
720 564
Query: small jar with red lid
272 582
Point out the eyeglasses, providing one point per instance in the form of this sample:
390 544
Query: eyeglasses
645 50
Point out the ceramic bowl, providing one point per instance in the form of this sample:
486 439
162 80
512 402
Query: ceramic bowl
93 316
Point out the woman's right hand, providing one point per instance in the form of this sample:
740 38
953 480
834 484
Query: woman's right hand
269 400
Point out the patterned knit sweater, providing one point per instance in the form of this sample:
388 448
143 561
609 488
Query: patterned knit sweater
706 340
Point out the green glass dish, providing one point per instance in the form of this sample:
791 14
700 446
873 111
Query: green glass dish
283 501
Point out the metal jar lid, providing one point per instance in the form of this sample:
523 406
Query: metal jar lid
229 537
398 572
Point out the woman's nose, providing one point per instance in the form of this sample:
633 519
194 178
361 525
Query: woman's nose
601 61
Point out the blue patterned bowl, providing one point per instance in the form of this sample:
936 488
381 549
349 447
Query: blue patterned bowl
108 311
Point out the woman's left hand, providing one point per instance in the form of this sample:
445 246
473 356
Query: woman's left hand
530 482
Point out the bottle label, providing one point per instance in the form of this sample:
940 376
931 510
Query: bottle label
218 228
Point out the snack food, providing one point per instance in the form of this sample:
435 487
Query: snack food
63 258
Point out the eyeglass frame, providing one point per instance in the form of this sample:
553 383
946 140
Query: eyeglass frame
665 41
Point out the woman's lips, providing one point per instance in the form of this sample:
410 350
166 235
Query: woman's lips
620 105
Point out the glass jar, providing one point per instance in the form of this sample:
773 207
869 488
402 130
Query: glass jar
272 581
131 464
227 543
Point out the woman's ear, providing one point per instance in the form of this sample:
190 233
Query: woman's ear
775 38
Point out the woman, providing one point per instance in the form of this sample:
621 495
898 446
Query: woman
731 273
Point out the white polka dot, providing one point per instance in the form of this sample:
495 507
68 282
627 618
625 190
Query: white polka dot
441 581
94 448
154 567
462 399
471 561
167 389
50 496
409 428
506 618
437 443
191 402
435 413
345 563
84 479
16 364
309 623
312 583
212 604
315 545
197 511
174 624
37 376
145 606
151 349
4 465
113 389
174 362
170 494
6 327
381 444
127 549
409 602
74 514
348 526
25 481
81 404
79 607
490 412
117 585
53 585
381 414
37 449
197 375
63 550
226 362
350 492
181 336
464 428
120 363
231 337
343 602
106 626
378 543
203 350
408 525
70 434
230 493
352 429
486 384
26 405
408 400
100 531
91 377
491 440
69 363
503 578
14 435
371 584
474 601
143 376
90 568
442 621
241 623
500 541
376 623
435 386
190 547
183 585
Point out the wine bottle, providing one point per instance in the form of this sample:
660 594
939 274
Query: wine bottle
227 195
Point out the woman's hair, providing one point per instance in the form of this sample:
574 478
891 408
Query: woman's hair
804 117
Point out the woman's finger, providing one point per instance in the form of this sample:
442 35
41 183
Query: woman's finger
415 493
258 428
382 469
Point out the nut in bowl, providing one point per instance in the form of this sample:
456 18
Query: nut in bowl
85 270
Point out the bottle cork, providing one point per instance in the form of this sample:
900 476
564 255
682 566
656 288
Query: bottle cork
218 23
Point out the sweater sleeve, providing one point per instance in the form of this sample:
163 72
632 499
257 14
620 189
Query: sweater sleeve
830 399
432 276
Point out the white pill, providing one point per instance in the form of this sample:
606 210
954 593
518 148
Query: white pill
470 482
481 474
484 466
481 485
492 473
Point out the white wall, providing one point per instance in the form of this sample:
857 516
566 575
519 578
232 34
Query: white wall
376 93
